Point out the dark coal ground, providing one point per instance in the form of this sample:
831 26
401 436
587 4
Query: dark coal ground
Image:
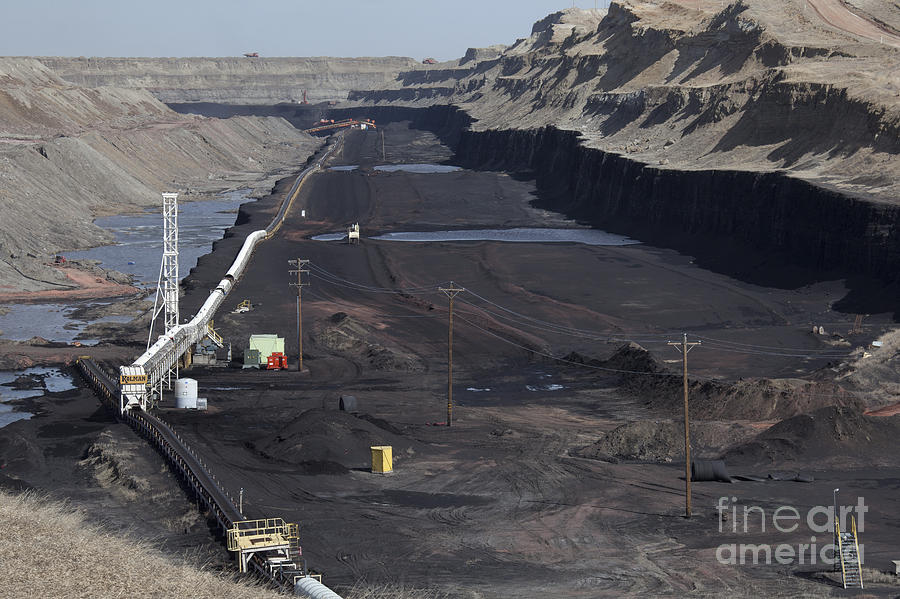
499 504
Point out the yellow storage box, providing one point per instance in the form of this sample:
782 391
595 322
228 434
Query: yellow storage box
382 459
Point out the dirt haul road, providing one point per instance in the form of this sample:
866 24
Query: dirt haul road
500 504
836 14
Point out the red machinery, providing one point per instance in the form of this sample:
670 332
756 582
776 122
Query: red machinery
251 54
277 361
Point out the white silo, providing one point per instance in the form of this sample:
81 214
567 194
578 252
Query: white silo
186 393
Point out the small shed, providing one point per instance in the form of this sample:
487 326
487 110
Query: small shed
382 459
347 403
266 345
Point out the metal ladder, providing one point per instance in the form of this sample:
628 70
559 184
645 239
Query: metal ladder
292 533
851 569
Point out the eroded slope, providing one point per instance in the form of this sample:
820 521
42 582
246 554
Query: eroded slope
69 153
752 85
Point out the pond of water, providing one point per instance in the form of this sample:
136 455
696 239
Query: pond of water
138 238
137 251
408 168
44 380
518 235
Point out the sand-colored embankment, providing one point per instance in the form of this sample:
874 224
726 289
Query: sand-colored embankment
69 154
235 79
752 85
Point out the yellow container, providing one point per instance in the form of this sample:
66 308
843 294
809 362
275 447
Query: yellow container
382 459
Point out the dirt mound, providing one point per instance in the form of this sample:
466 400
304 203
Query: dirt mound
663 440
324 441
346 335
111 465
840 435
747 399
629 358
754 399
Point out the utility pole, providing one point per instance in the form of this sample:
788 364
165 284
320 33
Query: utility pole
684 347
451 292
383 155
302 269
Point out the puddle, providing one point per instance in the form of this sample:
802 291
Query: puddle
138 238
519 235
418 168
477 390
7 416
407 168
550 387
330 237
50 321
46 380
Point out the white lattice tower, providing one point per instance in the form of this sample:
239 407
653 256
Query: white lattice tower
170 269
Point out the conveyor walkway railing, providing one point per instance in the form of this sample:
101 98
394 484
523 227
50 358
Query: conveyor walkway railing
281 568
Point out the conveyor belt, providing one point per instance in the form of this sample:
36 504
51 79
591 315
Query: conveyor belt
171 445
186 464
177 452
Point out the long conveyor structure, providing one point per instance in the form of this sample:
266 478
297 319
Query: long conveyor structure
269 547
141 382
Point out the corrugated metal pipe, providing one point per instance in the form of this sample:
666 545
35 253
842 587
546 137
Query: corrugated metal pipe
313 589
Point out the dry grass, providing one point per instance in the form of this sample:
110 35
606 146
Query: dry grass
49 551
871 575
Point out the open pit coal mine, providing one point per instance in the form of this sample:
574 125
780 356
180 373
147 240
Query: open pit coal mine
563 473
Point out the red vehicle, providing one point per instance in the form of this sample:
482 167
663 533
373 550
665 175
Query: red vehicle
251 54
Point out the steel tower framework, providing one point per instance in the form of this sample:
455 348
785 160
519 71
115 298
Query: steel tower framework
170 271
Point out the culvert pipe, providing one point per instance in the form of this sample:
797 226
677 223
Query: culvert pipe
313 589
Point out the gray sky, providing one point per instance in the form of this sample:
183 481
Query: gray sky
271 27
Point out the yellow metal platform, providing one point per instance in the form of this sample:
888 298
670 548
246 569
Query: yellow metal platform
258 534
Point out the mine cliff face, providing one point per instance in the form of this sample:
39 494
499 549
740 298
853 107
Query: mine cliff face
234 80
752 124
70 153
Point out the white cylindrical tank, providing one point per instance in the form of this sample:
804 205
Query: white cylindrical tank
186 393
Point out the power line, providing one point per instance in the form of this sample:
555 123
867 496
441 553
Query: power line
557 358
334 276
324 275
723 341
563 330
594 335
352 287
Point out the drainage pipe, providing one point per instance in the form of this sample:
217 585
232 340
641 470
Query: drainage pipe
310 588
